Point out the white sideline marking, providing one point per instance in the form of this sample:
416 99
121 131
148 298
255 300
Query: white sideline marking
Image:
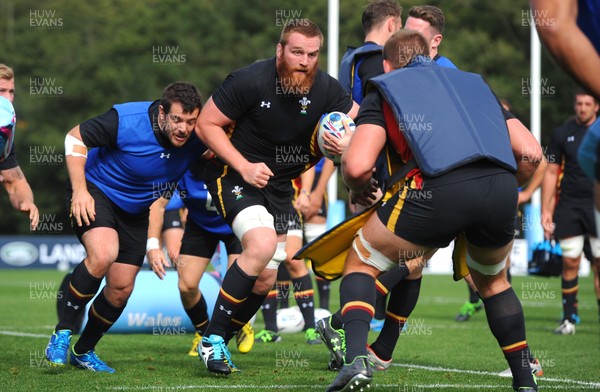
23 334
204 386
543 379
314 386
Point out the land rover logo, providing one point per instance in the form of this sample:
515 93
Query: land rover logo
18 253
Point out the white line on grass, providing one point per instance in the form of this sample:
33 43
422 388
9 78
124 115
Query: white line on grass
427 387
318 386
23 334
219 386
483 373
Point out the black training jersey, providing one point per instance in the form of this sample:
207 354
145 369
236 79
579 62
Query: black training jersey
573 184
273 124
370 67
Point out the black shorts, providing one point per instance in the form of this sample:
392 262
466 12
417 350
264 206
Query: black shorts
172 220
199 242
132 229
231 195
573 220
484 208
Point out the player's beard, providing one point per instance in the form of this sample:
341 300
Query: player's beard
585 118
294 82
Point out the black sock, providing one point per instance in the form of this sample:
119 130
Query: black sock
357 298
505 319
198 314
82 288
305 298
243 316
403 300
380 303
101 316
236 287
599 306
473 296
336 320
283 286
269 311
569 296
323 286
390 279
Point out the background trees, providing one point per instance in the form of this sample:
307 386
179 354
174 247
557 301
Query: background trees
74 59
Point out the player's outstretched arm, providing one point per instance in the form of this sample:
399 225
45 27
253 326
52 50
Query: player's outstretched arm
556 22
20 194
210 129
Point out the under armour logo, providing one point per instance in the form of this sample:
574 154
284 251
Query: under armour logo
265 104
571 139
221 308
76 307
163 155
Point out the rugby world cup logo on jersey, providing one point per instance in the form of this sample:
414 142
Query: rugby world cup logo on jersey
237 191
304 102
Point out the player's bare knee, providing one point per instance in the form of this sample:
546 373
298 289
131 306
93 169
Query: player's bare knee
296 267
118 295
98 267
416 269
187 288
265 282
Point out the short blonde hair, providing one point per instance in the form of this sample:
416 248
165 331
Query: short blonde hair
6 72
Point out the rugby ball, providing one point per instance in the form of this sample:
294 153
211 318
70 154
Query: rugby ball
332 123
290 320
321 313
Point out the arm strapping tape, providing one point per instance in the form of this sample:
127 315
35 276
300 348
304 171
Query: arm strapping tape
75 147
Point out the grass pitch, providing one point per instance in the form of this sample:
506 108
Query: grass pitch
434 354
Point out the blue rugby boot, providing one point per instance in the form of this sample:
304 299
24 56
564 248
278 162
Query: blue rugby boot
90 361
58 347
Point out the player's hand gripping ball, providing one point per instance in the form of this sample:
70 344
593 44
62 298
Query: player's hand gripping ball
332 124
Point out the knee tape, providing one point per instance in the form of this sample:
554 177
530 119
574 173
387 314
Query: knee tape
595 245
489 270
572 247
278 257
313 230
295 233
250 218
370 255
